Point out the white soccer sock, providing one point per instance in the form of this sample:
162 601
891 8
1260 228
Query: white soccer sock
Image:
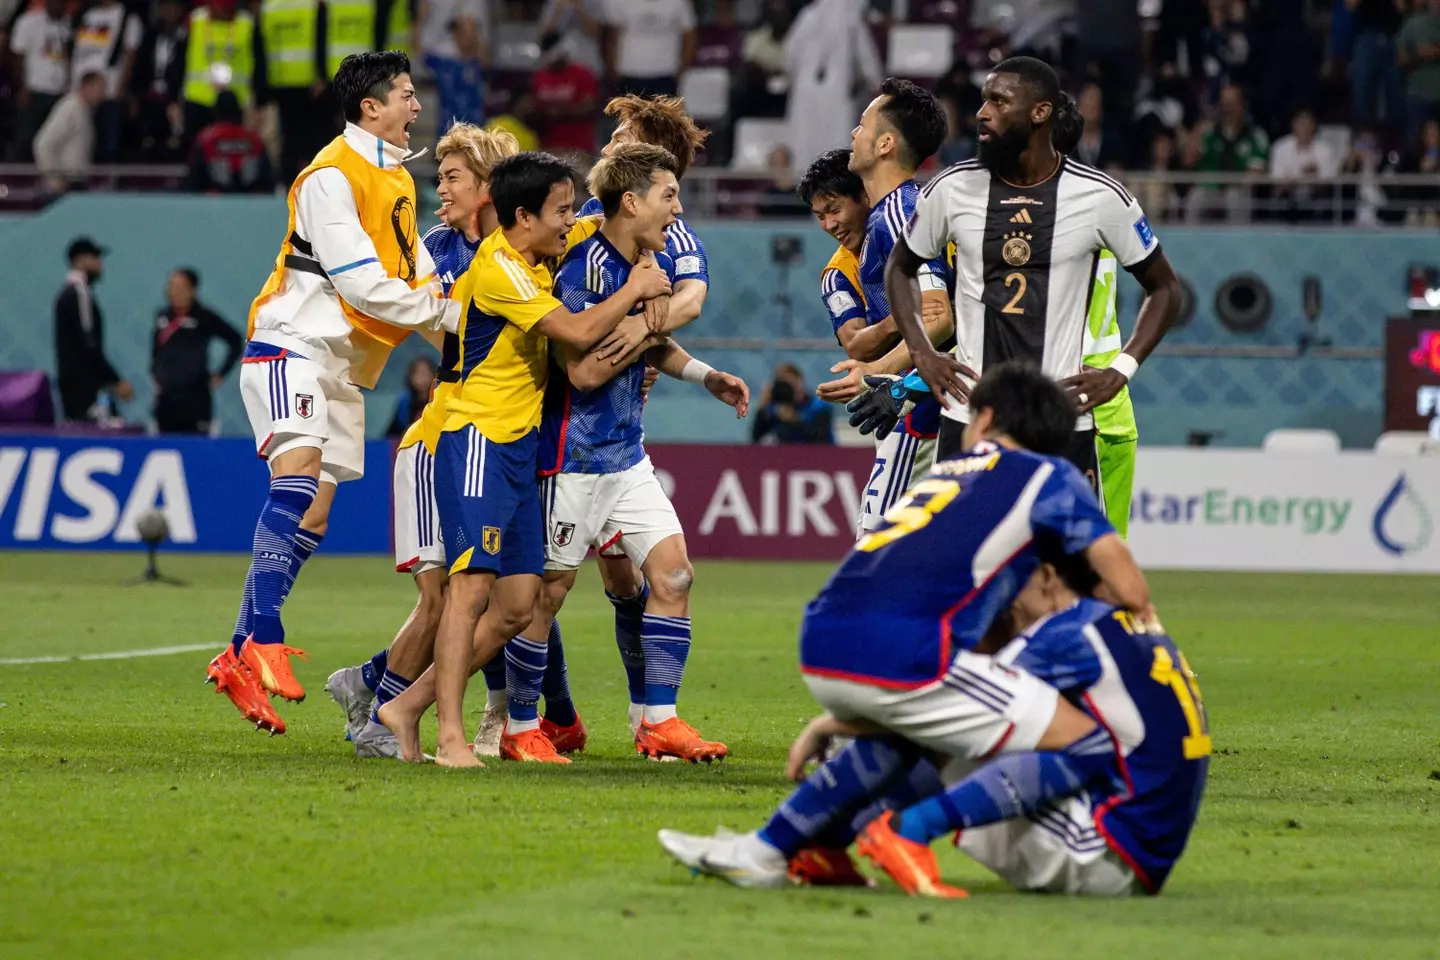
513 726
660 714
637 714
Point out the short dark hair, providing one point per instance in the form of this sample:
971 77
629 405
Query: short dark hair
1068 126
1039 76
227 107
367 76
523 182
915 114
829 176
189 274
1028 406
1074 568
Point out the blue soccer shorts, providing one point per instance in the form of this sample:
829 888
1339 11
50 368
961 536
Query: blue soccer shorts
489 503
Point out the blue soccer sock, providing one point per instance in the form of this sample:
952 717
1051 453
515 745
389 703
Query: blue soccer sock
494 670
372 670
922 782
839 788
274 552
666 642
524 672
391 685
1013 786
247 610
629 616
555 686
306 543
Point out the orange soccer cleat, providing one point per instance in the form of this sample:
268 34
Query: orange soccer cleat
569 739
912 865
270 663
232 678
823 867
531 746
676 738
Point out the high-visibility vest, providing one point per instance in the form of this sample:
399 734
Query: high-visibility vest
227 45
289 28
349 28
397 28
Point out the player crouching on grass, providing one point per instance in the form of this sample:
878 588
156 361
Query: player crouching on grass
466 155
350 282
600 486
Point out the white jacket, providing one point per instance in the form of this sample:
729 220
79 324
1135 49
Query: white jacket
305 316
65 143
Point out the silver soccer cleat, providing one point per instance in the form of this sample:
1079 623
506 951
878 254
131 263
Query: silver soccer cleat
347 688
741 859
492 726
376 741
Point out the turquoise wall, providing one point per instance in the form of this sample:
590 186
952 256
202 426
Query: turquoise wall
232 242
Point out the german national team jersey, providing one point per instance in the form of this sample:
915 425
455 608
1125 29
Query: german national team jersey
840 289
681 245
597 431
950 557
1138 684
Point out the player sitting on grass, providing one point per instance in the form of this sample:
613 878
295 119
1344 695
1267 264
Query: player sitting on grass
599 481
889 644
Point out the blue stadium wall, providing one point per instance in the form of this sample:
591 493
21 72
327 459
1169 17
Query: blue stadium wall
232 242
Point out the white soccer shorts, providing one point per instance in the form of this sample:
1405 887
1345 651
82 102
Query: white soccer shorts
418 546
900 460
978 708
628 509
293 402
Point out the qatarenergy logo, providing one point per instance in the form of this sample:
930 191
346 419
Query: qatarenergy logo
1220 506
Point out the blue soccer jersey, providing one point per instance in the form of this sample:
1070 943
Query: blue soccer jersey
1139 686
599 431
950 557
681 244
452 254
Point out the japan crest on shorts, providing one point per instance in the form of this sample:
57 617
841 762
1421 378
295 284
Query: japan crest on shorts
564 533
490 540
304 406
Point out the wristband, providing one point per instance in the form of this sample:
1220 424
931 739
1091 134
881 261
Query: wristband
1125 365
695 371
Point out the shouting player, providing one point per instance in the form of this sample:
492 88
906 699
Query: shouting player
351 281
485 460
466 155
601 486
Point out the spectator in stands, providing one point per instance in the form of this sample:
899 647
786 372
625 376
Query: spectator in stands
762 87
582 23
960 143
1235 144
1418 49
563 97
1367 161
1374 73
41 45
778 200
829 54
1299 156
229 157
65 146
1157 197
106 38
455 38
789 414
1423 202
1226 44
180 356
419 379
651 43
303 44
1101 145
222 50
81 370
157 83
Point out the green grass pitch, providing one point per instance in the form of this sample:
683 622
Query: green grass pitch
140 818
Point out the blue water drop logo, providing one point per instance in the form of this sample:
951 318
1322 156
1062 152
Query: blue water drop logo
1402 523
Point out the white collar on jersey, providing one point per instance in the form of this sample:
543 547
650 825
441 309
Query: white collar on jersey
384 155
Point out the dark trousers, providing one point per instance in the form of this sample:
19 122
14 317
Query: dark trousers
109 131
31 118
183 412
650 86
76 400
307 124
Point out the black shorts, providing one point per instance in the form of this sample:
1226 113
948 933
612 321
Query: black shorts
1080 452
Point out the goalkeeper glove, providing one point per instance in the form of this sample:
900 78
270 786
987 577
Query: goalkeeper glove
889 399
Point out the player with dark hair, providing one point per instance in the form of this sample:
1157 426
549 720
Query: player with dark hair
351 282
889 644
489 506
835 194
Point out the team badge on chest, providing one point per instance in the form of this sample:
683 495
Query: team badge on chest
1016 250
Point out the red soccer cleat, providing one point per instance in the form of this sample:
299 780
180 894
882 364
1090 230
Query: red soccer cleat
232 678
823 867
270 663
912 865
569 739
531 746
676 738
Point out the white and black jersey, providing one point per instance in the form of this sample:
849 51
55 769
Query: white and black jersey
1025 260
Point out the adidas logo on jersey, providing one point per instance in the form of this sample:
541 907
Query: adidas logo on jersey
1022 217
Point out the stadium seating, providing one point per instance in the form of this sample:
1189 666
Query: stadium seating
706 91
1406 443
754 139
920 50
1301 441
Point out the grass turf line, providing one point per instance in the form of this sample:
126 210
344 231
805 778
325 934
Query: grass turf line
140 818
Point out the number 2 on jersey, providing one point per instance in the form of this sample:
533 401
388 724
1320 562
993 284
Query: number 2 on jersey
1182 680
926 498
1014 305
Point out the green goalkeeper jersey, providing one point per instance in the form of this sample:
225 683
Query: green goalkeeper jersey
1114 420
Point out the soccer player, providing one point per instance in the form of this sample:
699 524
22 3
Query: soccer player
834 193
888 645
485 459
600 481
351 281
1028 224
466 154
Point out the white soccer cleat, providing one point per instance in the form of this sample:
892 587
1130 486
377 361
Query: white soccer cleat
376 741
492 727
347 688
744 859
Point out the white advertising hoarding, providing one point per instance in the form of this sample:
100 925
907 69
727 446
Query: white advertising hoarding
1204 509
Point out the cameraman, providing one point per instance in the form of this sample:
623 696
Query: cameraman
789 414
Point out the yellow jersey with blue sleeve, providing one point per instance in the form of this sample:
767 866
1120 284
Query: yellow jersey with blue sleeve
840 289
503 361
